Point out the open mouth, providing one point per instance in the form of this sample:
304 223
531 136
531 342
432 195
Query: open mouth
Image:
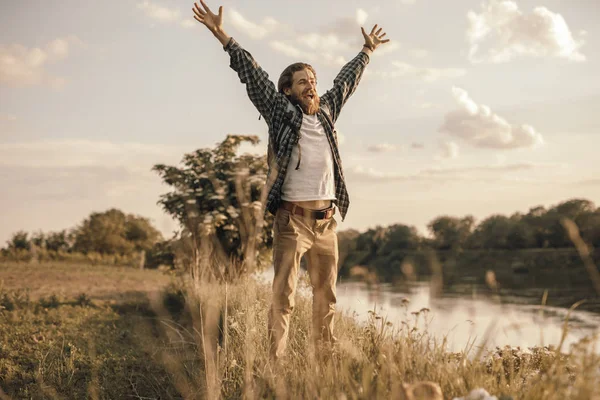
309 96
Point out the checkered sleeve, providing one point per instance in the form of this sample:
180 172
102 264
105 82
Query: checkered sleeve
345 84
261 90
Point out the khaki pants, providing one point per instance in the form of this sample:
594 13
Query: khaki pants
295 236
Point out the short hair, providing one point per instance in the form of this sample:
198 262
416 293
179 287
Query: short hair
287 76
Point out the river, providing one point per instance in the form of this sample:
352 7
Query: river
484 319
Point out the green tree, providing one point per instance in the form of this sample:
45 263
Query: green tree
590 228
501 232
539 222
38 239
140 233
399 237
19 241
451 232
217 197
521 235
114 232
370 241
58 241
577 210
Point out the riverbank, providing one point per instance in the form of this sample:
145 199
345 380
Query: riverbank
525 274
199 341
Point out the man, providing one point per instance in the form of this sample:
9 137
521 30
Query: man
305 176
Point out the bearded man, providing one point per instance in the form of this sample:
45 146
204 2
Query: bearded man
305 179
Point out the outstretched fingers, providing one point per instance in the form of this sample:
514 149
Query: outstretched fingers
205 6
373 30
199 14
198 11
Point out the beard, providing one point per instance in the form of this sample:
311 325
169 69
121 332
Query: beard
308 105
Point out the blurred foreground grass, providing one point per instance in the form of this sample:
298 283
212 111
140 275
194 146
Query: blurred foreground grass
112 333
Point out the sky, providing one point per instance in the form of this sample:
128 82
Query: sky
475 107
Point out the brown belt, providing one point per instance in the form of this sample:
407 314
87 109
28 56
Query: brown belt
316 214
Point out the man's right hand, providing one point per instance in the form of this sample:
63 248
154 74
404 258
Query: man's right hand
214 22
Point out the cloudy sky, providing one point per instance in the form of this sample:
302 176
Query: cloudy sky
475 106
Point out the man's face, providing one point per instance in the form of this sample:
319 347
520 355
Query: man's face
304 91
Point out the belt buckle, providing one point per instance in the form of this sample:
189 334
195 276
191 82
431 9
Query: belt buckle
323 214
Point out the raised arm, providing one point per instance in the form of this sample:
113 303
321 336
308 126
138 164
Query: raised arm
348 78
261 90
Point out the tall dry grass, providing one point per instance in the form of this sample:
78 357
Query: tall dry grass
220 350
219 347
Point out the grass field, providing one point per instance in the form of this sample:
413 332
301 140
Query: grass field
76 331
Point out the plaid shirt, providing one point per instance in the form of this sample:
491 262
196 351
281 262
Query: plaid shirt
285 120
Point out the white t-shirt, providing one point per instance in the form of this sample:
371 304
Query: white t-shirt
314 180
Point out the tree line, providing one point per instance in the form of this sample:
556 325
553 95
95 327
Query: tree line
539 228
216 195
385 248
105 236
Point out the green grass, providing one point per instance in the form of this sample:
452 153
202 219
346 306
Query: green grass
108 334
80 332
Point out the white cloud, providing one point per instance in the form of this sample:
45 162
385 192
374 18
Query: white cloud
361 16
448 150
506 32
409 71
477 173
322 42
425 105
188 23
419 53
387 48
8 117
382 148
490 169
22 66
69 153
159 13
480 127
252 29
167 15
329 45
291 50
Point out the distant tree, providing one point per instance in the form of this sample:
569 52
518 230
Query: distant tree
574 208
19 241
370 241
38 239
216 197
58 241
590 228
539 223
140 232
521 235
451 232
501 232
398 237
577 210
114 232
346 243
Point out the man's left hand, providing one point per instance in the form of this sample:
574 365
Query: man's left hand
375 38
